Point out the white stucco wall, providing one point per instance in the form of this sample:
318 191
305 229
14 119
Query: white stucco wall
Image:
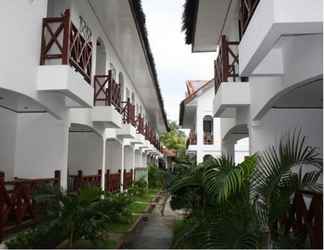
41 146
8 126
85 153
277 122
128 158
114 156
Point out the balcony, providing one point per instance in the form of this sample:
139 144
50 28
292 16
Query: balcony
192 140
128 130
208 138
247 8
107 102
65 60
227 62
269 26
231 90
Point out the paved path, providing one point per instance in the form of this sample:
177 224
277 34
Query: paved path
156 232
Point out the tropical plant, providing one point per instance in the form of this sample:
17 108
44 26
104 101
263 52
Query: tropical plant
216 196
279 176
240 206
155 177
139 188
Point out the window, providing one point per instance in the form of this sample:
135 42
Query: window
100 58
208 126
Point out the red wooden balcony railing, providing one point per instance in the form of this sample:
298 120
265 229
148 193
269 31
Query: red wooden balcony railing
62 41
113 181
107 91
140 128
128 179
208 138
226 64
17 208
247 8
300 219
128 112
192 140
75 182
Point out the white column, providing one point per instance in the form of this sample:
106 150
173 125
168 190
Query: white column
103 167
122 169
228 148
134 162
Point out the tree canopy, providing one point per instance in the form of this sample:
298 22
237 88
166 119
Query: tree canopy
175 138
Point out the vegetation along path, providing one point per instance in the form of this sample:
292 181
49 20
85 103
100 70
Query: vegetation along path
156 232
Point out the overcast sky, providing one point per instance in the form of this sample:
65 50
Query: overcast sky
174 61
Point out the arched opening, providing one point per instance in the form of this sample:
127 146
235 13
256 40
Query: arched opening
27 148
113 71
133 98
128 166
242 149
114 162
121 84
127 94
207 158
84 157
208 129
101 57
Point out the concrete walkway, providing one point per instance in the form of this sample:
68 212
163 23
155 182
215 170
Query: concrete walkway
156 232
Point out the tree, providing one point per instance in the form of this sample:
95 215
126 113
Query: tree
174 139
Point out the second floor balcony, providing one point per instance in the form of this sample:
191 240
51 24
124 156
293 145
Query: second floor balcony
227 62
65 60
107 101
192 140
231 90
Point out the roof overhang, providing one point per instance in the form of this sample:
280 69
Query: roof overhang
124 24
203 23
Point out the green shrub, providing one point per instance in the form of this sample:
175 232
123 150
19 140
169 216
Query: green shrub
155 177
139 188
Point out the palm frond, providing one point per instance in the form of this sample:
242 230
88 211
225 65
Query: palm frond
223 178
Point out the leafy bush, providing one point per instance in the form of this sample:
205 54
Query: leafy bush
116 206
239 206
139 188
155 177
74 217
40 237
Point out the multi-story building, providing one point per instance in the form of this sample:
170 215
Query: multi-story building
196 114
268 72
79 94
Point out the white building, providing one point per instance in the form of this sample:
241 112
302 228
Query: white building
78 89
269 70
196 114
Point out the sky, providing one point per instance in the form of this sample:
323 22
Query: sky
175 63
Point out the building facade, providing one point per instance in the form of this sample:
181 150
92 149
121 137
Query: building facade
268 73
196 114
79 94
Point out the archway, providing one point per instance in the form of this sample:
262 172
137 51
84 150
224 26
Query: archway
27 149
101 57
84 157
122 85
242 149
